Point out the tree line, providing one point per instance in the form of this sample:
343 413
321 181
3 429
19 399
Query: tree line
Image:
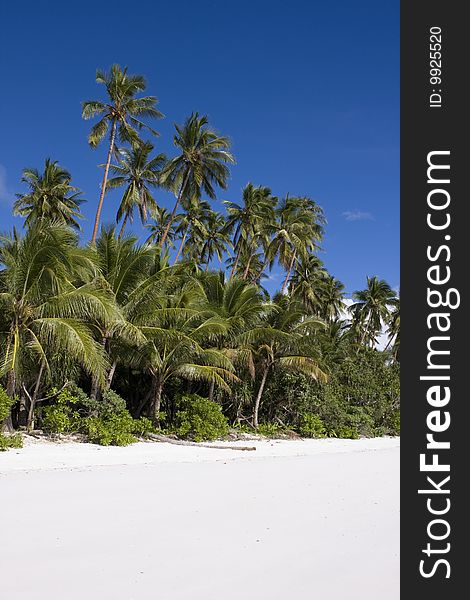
181 311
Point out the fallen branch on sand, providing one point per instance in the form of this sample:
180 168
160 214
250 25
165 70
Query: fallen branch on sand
163 438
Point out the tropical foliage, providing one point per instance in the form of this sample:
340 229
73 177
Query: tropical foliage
51 197
125 334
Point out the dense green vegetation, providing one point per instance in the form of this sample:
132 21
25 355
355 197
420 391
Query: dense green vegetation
115 337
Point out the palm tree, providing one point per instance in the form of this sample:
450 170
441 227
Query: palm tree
131 276
120 116
372 308
138 173
43 314
306 283
161 218
284 342
331 294
297 233
249 222
335 342
51 197
180 337
216 240
192 223
239 304
251 265
201 164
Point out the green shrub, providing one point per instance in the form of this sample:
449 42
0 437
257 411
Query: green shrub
142 427
380 431
109 404
10 441
343 431
76 394
115 430
65 397
199 419
7 441
311 426
5 404
393 423
271 430
362 396
60 419
110 424
63 416
105 421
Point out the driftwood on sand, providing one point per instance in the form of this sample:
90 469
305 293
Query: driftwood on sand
163 438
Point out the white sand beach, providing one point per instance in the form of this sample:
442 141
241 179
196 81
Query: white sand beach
293 519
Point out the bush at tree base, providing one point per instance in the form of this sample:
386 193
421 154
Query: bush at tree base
7 441
199 419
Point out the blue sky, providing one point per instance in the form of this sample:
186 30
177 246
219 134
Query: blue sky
308 92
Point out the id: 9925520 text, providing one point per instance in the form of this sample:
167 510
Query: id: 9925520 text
435 67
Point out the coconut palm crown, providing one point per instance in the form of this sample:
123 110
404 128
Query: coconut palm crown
138 173
51 197
201 164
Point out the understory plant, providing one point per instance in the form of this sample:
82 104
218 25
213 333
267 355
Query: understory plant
105 421
7 440
199 419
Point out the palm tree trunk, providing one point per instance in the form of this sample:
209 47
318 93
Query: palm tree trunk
247 268
180 249
7 424
94 392
156 402
32 404
235 264
365 332
286 280
94 387
105 180
109 380
258 397
123 226
173 214
211 390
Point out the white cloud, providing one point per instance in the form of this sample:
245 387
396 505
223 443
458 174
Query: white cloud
357 215
272 276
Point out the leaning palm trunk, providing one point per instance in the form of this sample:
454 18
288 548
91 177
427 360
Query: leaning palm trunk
112 370
363 337
235 264
105 179
180 249
258 398
175 208
286 280
123 226
247 268
252 250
